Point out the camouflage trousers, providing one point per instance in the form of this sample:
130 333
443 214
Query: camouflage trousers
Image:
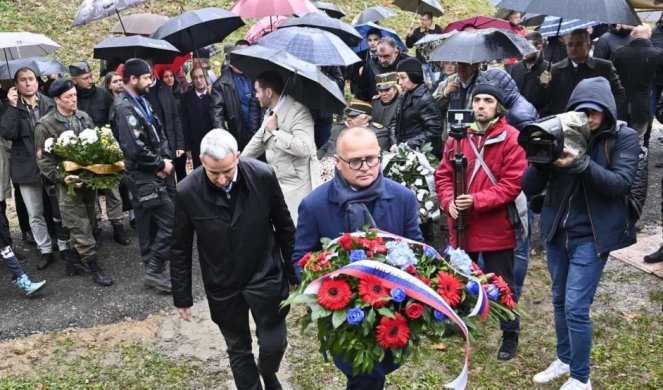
78 216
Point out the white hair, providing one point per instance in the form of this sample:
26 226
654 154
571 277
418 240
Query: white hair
218 144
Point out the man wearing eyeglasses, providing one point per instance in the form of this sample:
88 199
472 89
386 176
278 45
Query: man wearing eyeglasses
357 196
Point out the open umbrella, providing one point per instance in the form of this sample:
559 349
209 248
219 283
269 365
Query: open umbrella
482 45
477 23
90 10
264 26
532 20
431 42
330 9
554 26
249 9
40 65
363 29
346 32
604 11
135 46
193 29
304 81
373 14
650 16
420 6
14 45
312 45
139 24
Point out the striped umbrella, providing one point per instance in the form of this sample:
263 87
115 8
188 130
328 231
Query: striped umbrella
554 27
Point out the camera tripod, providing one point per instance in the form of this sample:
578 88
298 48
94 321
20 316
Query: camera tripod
459 163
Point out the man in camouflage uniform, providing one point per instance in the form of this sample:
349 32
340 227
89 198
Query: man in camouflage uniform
77 210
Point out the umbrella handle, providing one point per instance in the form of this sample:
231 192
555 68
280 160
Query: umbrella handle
414 18
121 22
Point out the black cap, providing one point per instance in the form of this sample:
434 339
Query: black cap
410 66
488 89
60 86
136 67
79 69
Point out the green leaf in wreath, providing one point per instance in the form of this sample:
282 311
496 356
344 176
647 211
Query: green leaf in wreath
385 312
338 318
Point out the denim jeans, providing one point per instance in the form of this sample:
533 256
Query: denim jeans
521 254
428 73
575 274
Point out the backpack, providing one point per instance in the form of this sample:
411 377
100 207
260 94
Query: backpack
638 193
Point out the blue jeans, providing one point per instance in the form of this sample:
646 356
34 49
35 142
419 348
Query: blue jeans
575 274
521 254
428 73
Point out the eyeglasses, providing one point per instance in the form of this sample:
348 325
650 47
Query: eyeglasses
357 163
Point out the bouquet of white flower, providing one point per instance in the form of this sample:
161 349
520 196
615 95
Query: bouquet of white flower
94 155
412 168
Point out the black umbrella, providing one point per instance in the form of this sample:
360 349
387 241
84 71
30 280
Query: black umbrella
330 9
91 10
139 24
373 14
304 81
198 28
346 32
135 46
420 6
605 11
482 45
40 65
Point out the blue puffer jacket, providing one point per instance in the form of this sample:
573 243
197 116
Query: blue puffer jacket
593 194
520 111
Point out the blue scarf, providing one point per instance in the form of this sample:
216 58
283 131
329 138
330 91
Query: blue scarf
353 202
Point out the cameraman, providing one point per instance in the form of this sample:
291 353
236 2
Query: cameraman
491 233
584 217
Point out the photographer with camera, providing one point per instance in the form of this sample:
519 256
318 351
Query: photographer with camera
585 216
495 165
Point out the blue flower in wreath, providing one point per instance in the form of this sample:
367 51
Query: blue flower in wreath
429 251
439 316
357 254
355 316
472 287
493 292
398 295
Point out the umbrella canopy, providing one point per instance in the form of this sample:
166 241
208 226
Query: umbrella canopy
193 29
420 6
343 30
40 65
482 45
330 9
603 11
555 27
650 16
135 46
373 14
312 45
304 81
16 45
431 42
532 20
363 29
264 26
91 10
139 24
249 9
477 23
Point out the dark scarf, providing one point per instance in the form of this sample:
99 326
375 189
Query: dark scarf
353 203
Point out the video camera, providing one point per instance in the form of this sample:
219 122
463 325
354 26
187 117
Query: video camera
458 121
544 140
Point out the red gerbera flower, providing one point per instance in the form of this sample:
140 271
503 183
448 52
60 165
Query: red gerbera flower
371 291
507 300
393 332
449 288
500 283
346 241
334 294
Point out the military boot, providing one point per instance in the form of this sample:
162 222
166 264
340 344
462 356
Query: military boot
73 264
155 275
655 257
46 260
119 235
98 274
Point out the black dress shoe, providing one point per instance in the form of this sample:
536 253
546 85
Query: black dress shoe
655 257
28 238
509 347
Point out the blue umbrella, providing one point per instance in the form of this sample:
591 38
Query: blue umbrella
554 27
363 29
312 45
40 65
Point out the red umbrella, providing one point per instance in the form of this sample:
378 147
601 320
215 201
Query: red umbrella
478 23
264 26
248 9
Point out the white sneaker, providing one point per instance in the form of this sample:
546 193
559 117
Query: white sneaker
574 384
554 371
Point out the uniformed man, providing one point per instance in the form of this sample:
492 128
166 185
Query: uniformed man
96 102
77 210
149 170
385 102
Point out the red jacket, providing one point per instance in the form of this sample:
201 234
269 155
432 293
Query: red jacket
489 226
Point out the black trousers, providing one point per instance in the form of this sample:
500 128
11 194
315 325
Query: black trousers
272 343
155 229
61 232
501 263
180 167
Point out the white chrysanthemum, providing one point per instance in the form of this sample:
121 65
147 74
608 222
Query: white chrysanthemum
106 131
429 205
418 182
88 136
421 194
67 137
48 145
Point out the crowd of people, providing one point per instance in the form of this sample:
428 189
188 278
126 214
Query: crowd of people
271 177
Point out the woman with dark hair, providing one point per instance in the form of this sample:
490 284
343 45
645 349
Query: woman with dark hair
168 77
113 84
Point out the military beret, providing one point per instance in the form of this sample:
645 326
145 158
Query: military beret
60 86
386 80
79 69
358 107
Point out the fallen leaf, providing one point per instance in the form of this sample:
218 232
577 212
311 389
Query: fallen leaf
440 347
631 316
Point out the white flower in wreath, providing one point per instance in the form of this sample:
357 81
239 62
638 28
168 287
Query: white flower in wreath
423 212
67 137
418 182
429 205
421 194
48 145
88 136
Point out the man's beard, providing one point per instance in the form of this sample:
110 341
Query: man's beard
142 91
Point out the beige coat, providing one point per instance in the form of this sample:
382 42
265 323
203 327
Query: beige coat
292 154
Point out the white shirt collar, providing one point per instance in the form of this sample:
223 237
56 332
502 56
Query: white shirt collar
229 187
199 94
